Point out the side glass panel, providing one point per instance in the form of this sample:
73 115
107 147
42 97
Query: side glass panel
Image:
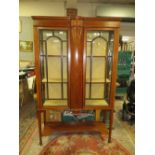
99 52
53 56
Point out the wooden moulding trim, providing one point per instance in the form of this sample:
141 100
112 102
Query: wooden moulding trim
76 64
50 17
68 68
101 18
84 108
114 68
55 108
97 108
37 64
101 24
51 22
76 23
76 17
40 110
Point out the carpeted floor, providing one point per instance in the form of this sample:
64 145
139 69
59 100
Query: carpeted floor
27 123
83 144
122 132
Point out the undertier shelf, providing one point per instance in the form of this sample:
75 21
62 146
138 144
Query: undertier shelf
96 103
73 127
55 103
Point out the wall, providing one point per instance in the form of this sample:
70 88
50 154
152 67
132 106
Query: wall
26 34
40 8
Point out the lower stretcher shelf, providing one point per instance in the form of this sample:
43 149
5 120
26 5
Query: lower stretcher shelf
64 103
96 103
72 127
55 103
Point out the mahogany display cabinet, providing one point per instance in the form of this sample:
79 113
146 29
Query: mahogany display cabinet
76 64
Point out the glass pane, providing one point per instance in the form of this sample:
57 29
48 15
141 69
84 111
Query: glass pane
65 91
88 69
53 42
54 91
45 34
98 69
54 68
65 48
89 48
61 34
97 91
99 47
65 69
53 46
87 90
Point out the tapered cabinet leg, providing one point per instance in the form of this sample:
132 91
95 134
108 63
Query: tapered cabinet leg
110 126
104 116
44 117
98 115
39 126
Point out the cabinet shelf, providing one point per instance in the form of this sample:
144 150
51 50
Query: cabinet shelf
96 102
59 56
98 56
98 81
54 80
55 103
69 127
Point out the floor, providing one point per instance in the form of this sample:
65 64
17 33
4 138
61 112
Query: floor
122 131
27 115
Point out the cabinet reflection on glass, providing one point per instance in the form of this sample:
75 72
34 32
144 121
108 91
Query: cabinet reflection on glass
99 51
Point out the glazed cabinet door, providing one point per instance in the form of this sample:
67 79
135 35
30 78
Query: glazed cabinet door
99 46
53 55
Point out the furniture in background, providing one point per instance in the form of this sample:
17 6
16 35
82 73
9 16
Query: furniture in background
26 82
128 110
76 61
22 79
123 71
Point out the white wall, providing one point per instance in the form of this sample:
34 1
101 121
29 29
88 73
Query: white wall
47 8
40 8
26 34
127 29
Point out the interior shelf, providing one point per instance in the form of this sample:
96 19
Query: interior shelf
74 127
96 102
49 55
54 80
56 102
87 80
97 56
97 80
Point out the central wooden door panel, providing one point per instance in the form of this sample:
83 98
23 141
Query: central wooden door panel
76 64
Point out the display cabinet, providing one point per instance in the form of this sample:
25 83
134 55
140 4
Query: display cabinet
76 61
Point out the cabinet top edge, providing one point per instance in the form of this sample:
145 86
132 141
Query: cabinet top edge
49 17
77 17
